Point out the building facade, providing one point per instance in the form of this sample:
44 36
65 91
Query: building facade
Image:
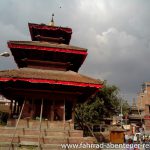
143 102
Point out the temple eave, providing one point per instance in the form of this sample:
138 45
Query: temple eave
46 27
43 47
69 83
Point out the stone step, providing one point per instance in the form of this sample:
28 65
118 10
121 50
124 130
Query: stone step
53 134
35 124
34 146
7 146
44 132
59 147
45 140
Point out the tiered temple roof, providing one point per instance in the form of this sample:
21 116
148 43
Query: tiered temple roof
135 114
47 81
48 68
47 59
42 32
47 55
29 74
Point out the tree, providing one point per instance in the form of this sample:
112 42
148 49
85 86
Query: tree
105 104
125 108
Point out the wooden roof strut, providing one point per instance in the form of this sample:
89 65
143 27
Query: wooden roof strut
16 125
39 145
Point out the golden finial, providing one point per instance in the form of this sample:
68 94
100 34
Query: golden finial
52 21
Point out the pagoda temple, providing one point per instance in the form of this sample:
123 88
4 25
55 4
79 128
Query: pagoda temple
135 115
46 84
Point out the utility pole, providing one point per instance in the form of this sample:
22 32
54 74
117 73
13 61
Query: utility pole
121 110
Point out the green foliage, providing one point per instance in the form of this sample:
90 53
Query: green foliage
105 104
125 108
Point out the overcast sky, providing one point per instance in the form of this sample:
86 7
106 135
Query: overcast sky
115 32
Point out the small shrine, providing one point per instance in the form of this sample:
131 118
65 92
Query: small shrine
135 115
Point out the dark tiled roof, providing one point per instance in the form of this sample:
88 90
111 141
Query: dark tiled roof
48 74
117 129
49 31
47 27
47 44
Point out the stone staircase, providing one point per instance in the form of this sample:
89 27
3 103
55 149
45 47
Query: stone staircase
52 135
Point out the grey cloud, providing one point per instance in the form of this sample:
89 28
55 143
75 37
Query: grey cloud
115 32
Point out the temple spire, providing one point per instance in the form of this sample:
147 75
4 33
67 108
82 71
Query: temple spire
52 21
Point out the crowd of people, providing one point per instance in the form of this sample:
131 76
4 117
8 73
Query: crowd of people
138 138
